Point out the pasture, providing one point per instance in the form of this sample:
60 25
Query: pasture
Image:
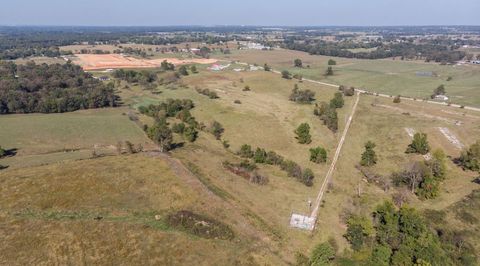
119 206
265 118
388 76
139 186
44 138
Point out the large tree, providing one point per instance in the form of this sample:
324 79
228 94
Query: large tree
162 135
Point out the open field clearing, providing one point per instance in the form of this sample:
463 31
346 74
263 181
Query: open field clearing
115 61
119 206
128 191
265 118
393 77
44 138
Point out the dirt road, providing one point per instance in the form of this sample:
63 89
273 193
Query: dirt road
318 200
384 95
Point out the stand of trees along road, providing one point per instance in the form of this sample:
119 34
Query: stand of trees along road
53 88
378 50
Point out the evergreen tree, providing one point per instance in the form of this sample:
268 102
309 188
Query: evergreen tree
369 157
419 144
329 71
337 101
303 134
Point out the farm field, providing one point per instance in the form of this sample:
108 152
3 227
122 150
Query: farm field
393 77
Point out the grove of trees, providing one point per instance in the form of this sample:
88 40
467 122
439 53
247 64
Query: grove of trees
55 88
301 96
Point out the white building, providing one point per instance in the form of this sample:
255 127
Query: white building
441 98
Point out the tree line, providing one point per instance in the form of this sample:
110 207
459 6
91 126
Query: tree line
261 156
428 52
55 88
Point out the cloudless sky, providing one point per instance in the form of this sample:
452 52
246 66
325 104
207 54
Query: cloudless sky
239 12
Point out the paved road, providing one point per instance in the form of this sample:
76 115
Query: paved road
318 200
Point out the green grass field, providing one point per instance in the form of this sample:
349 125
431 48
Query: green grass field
384 76
46 138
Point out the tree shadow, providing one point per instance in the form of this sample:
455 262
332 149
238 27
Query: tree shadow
177 145
476 180
11 152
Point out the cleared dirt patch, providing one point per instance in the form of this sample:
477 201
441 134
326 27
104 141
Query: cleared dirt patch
451 137
410 131
115 61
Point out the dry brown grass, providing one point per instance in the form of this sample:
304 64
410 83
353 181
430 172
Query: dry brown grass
49 215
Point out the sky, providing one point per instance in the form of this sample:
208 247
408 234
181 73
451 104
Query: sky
239 12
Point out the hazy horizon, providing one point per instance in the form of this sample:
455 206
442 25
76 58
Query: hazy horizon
247 13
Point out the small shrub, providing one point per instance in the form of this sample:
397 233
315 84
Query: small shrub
397 99
318 155
245 151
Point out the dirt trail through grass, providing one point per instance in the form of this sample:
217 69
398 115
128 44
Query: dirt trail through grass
318 201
